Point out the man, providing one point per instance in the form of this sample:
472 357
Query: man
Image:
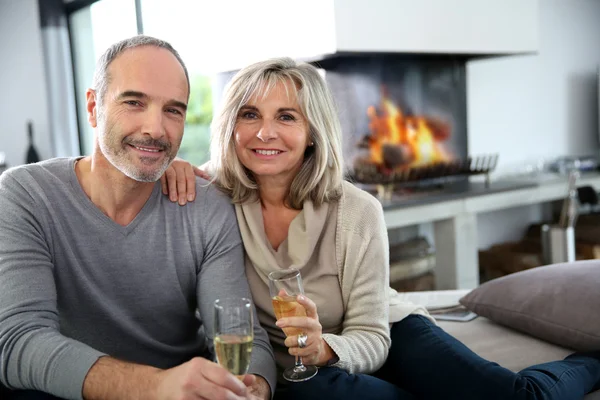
100 274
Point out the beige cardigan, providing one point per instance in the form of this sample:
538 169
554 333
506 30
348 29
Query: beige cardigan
362 258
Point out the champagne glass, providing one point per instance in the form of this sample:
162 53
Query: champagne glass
233 334
284 286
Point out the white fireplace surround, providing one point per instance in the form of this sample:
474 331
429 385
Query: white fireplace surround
436 26
317 29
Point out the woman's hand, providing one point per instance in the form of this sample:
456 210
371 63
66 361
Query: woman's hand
317 351
179 181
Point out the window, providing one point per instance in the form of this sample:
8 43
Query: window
165 20
93 30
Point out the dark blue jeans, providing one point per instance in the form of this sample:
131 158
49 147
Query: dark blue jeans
427 363
27 395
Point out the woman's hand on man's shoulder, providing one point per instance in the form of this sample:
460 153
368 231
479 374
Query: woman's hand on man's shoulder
179 181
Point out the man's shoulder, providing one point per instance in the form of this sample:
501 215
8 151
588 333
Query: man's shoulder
52 166
211 195
212 211
36 174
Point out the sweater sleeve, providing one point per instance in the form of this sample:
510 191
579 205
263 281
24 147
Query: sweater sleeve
33 353
363 345
223 275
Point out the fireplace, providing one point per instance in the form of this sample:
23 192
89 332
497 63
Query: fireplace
403 118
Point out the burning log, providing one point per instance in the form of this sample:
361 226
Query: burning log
405 148
396 155
399 140
440 130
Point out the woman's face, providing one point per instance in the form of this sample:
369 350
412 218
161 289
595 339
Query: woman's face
271 134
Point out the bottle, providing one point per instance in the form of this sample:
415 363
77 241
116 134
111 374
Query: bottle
32 154
3 165
570 207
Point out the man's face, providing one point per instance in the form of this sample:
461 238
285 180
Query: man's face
139 123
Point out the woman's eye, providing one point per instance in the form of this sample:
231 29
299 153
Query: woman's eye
249 115
287 117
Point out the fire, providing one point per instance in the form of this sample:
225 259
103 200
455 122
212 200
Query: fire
399 141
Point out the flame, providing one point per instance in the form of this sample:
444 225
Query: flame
416 137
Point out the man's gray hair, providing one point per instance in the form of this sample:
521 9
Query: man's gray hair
101 75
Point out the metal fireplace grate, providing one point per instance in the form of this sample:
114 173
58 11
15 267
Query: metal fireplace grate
435 173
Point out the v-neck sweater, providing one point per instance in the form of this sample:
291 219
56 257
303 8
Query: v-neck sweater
342 252
75 285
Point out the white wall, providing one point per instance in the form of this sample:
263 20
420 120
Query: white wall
545 105
537 107
22 81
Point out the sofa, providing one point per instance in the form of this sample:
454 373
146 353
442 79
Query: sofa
530 317
505 346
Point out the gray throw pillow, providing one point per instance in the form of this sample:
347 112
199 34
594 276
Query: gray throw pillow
558 303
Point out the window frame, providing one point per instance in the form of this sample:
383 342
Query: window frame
70 8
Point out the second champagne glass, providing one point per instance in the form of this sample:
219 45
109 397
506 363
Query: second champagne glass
233 334
284 287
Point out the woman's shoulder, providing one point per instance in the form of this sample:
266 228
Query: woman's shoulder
359 209
354 197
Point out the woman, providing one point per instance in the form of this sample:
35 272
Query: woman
276 151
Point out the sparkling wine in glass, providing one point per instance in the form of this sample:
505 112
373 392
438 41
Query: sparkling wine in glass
284 286
233 334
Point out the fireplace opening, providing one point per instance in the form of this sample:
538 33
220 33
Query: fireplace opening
404 119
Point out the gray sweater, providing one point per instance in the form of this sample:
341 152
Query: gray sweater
75 285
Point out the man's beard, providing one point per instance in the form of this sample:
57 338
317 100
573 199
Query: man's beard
119 156
155 171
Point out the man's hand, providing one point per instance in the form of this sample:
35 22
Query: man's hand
200 378
258 387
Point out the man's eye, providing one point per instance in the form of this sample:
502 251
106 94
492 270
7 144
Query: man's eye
174 111
132 102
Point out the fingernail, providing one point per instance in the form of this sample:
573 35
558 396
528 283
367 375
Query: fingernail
173 198
279 324
190 197
182 201
300 297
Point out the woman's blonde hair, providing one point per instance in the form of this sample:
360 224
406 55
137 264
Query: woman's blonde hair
321 174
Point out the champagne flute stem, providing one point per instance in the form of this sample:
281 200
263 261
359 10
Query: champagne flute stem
298 366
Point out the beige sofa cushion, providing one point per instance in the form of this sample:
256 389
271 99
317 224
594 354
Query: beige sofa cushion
557 303
508 348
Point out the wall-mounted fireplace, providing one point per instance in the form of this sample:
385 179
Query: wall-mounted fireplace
403 117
